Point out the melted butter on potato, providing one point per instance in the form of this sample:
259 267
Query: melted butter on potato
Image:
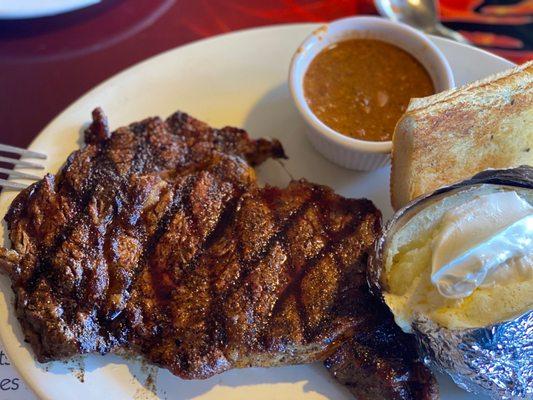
410 290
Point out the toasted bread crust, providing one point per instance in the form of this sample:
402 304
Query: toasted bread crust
453 135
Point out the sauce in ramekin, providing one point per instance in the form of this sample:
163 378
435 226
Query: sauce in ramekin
361 87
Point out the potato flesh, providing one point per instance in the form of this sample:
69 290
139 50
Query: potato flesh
410 291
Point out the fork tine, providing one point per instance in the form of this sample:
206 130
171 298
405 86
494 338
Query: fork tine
22 163
17 174
12 185
22 152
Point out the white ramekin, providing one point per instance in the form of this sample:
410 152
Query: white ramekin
348 152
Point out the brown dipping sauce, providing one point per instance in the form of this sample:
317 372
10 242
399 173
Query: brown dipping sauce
361 87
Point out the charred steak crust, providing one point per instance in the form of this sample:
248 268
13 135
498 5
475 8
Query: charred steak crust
84 235
267 290
380 362
156 238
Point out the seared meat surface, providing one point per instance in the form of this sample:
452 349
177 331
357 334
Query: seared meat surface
84 236
156 238
270 288
379 362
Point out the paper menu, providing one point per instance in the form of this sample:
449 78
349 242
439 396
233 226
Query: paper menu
11 385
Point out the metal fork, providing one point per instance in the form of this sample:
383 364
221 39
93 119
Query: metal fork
23 153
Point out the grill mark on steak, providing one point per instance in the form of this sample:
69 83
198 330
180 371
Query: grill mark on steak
103 164
227 216
275 238
217 331
337 262
329 248
162 228
46 253
294 287
105 168
175 253
334 239
284 294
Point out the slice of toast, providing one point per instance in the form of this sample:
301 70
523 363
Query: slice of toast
452 135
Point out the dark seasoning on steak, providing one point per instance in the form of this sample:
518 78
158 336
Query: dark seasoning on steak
157 239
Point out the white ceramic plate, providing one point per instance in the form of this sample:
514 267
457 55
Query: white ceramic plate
14 9
237 79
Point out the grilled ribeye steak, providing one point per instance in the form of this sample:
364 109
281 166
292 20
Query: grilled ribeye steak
83 236
379 362
278 284
157 239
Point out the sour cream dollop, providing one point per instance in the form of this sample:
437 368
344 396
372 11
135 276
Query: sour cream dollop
483 242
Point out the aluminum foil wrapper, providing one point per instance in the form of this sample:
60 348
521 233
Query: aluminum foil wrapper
495 360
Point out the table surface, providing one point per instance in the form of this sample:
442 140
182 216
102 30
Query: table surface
47 63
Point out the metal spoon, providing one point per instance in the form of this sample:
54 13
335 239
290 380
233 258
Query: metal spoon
420 14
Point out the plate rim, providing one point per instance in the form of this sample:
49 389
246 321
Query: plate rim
50 10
